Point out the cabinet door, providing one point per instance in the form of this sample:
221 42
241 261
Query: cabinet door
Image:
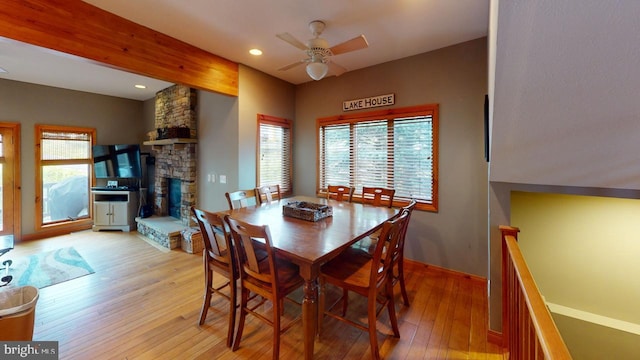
120 213
102 213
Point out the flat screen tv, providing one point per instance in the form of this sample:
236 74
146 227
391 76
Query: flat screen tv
117 161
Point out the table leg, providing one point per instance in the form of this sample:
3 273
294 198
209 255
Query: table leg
309 316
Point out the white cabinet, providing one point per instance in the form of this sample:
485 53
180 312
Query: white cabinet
114 210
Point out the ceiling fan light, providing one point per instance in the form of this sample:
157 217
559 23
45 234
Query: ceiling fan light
317 70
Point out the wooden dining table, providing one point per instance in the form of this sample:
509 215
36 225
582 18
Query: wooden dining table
309 244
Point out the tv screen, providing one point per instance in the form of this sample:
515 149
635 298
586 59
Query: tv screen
117 161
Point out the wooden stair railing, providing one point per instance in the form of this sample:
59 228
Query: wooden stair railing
528 330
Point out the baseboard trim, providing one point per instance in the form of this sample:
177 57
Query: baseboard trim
494 337
415 264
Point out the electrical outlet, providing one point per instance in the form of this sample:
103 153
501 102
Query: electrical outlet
223 179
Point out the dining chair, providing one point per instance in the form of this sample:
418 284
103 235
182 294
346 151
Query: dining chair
271 278
217 257
340 192
268 193
242 198
368 244
377 196
368 276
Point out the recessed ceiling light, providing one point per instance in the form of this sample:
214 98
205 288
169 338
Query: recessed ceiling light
140 86
255 52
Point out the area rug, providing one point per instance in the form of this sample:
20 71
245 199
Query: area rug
49 268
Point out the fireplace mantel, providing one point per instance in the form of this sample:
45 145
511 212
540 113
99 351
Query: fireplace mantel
171 141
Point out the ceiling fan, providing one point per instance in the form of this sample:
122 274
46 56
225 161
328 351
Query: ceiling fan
319 53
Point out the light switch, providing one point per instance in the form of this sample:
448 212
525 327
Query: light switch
208 177
223 179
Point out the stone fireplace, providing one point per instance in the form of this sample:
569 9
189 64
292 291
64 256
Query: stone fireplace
175 166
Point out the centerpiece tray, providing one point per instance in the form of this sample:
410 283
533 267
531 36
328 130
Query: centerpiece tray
307 210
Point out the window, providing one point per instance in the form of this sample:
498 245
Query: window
274 153
64 174
391 148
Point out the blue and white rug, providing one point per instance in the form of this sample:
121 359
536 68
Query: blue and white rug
49 268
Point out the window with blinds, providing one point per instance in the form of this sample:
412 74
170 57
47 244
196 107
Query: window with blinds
274 153
64 174
394 149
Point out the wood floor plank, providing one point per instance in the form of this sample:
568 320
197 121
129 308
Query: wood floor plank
143 303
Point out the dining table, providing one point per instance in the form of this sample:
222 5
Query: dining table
309 244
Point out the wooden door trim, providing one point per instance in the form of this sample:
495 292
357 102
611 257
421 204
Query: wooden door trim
17 195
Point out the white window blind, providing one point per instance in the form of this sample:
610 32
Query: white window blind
397 151
274 153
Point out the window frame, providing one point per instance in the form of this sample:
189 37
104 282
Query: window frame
283 123
390 115
39 163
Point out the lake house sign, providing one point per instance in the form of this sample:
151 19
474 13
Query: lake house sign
370 102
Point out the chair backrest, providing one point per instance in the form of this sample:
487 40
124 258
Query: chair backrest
245 238
387 249
216 238
242 198
339 192
268 193
403 233
377 196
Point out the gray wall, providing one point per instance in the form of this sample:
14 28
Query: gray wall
455 78
565 116
227 130
116 120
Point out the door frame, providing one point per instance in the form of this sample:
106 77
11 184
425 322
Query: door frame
14 168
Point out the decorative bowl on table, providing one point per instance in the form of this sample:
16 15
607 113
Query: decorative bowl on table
307 210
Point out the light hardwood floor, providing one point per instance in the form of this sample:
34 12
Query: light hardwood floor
144 303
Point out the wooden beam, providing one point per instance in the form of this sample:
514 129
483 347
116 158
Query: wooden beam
78 28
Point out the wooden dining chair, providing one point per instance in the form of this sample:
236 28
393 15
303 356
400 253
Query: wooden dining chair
340 192
242 198
368 276
368 244
272 278
378 196
217 257
268 193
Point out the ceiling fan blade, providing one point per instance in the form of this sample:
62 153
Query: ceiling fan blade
291 40
292 65
357 43
336 69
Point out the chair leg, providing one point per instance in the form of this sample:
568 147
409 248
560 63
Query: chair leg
232 311
279 308
243 315
345 301
373 334
403 288
206 301
391 307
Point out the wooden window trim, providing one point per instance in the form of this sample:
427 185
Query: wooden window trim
354 118
284 123
59 227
